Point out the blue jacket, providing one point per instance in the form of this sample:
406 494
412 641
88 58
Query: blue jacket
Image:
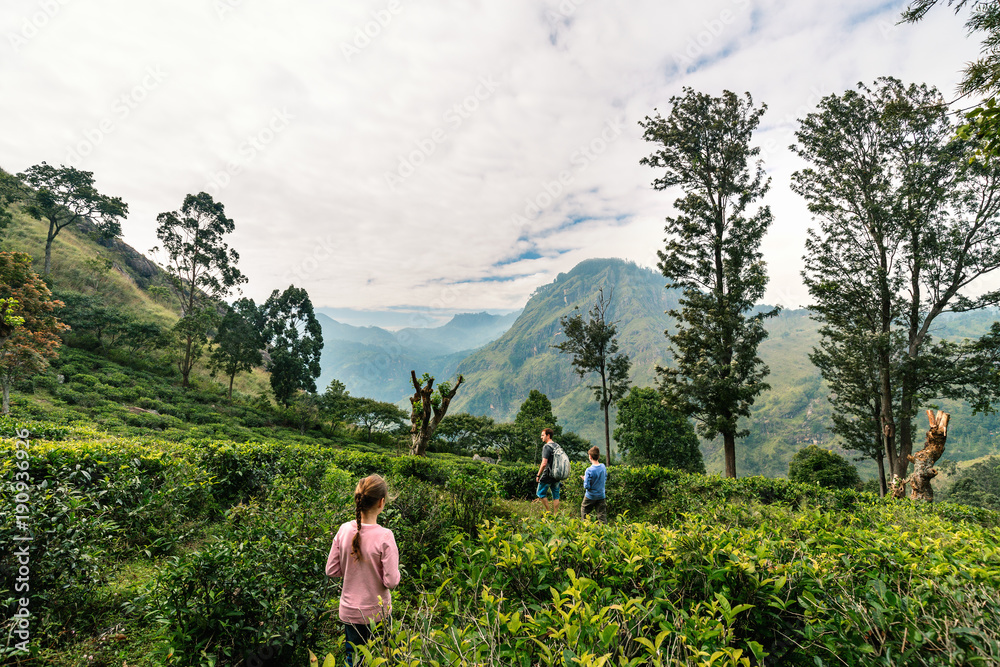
593 481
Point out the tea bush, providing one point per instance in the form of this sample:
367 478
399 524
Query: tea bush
260 591
421 520
737 572
472 498
809 588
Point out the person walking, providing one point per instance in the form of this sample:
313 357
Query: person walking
594 479
546 483
365 555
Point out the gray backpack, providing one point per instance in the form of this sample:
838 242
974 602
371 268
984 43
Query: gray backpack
559 465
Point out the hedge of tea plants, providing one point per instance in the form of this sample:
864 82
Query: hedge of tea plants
211 552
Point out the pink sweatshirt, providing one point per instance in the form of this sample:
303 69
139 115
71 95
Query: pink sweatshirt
367 579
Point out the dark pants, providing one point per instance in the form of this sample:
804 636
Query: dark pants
357 635
598 506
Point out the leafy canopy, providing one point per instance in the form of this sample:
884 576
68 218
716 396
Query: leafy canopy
66 196
29 330
294 342
712 253
813 464
649 431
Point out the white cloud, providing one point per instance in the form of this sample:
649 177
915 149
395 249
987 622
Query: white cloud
502 104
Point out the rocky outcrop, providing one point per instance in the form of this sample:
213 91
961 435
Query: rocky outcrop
139 268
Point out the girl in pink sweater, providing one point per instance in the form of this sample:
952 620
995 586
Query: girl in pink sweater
365 555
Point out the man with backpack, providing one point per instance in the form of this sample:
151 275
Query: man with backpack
553 469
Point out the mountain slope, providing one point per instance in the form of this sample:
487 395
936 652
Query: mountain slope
500 375
78 257
376 363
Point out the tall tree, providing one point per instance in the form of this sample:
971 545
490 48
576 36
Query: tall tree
201 267
294 342
848 361
468 433
906 224
594 347
66 196
29 330
649 431
713 254
429 406
336 403
239 341
533 415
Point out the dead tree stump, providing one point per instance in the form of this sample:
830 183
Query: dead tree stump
924 460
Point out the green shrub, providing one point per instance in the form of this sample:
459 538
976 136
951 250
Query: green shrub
70 395
420 518
84 380
9 426
260 592
46 383
117 379
420 468
25 385
71 537
830 470
517 482
362 464
472 499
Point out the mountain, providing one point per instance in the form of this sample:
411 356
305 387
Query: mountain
376 363
500 375
793 413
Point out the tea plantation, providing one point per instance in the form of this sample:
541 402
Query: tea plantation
211 552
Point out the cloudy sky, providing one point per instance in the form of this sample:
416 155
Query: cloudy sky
429 156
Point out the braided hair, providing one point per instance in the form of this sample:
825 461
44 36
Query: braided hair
367 495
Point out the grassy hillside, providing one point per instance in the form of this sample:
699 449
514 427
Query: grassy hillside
78 254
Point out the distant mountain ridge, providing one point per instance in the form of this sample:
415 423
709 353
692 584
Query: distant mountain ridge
374 362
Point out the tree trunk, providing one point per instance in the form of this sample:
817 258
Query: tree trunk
729 447
904 444
924 460
418 442
607 435
886 420
48 248
231 378
422 422
882 489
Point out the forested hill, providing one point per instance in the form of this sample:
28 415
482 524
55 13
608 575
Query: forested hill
500 375
795 412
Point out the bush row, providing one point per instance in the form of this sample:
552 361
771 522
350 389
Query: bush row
885 584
